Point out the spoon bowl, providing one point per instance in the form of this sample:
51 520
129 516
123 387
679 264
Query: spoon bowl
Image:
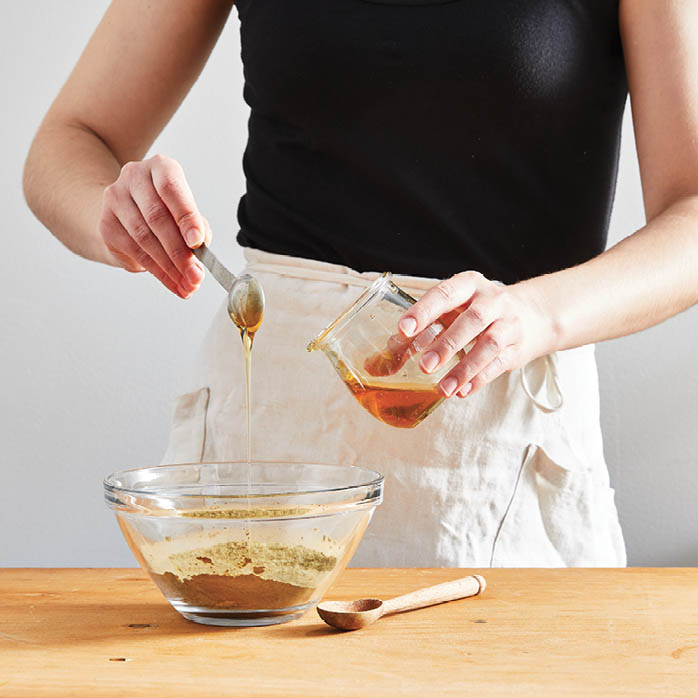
351 615
245 294
246 303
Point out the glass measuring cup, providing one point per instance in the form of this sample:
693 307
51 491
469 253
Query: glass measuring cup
377 363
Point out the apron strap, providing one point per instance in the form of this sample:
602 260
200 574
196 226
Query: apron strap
309 273
343 275
528 456
548 396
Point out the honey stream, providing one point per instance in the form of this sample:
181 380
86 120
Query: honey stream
247 336
247 352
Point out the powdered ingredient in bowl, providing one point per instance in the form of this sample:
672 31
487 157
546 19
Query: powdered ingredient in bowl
240 575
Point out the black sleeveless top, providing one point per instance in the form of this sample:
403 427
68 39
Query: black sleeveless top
428 137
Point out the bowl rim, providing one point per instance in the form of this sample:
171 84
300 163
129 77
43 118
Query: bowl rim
109 485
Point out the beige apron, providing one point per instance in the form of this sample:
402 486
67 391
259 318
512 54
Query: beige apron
511 476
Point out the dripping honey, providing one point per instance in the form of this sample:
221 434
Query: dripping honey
247 337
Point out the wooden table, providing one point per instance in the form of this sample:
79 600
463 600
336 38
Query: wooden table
557 633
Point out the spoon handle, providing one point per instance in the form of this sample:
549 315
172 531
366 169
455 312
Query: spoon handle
219 272
448 591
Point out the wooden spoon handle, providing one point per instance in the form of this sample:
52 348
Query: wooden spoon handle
448 591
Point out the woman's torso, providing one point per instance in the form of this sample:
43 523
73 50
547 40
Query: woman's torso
432 136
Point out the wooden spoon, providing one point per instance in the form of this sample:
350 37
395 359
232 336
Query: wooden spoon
352 615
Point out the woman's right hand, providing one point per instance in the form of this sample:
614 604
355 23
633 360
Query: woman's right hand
150 222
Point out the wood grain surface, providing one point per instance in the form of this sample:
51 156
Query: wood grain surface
561 633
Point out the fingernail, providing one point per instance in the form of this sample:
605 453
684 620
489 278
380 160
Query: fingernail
429 361
194 273
407 325
463 392
193 236
449 385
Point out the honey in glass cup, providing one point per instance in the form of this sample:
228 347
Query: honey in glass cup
377 363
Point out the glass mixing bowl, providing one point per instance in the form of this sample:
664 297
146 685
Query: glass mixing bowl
225 550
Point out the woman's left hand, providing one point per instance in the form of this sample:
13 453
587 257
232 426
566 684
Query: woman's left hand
506 324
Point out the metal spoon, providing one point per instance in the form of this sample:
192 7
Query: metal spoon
352 615
245 294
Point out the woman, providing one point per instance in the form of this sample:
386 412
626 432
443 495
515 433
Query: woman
470 141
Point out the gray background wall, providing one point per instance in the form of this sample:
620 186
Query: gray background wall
91 355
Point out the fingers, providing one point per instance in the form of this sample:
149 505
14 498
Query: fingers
131 255
491 355
499 325
391 359
469 324
172 187
133 222
442 298
398 350
501 364
161 223
156 212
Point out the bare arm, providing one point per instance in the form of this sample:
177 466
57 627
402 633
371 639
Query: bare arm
646 278
652 274
136 69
